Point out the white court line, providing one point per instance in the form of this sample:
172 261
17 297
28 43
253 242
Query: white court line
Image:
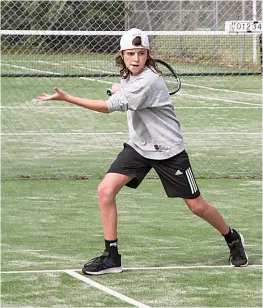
120 295
59 74
31 69
119 133
106 289
92 69
257 106
216 99
97 80
66 134
217 89
142 268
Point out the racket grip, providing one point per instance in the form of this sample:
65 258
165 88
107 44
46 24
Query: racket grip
109 93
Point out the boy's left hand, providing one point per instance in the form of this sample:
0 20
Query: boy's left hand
116 87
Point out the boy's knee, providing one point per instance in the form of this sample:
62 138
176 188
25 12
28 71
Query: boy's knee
105 191
197 206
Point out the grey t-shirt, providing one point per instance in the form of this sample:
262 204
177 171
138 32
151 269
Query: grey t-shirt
154 130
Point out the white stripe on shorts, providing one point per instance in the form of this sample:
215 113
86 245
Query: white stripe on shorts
191 180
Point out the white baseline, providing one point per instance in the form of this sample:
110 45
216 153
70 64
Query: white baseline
144 268
106 289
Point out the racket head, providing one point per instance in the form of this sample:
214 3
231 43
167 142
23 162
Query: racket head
171 78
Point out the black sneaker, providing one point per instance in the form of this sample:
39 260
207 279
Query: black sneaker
238 256
104 264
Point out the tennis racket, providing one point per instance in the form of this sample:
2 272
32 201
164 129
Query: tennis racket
171 78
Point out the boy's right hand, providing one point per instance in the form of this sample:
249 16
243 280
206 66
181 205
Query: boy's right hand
59 95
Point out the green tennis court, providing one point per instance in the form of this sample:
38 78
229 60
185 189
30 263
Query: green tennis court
171 258
220 118
54 155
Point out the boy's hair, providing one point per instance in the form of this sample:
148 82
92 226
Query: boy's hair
125 72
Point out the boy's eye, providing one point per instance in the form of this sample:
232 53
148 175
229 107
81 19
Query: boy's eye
132 54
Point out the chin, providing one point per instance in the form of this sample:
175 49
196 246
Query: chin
136 72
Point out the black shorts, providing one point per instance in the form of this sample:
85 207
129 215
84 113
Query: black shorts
175 173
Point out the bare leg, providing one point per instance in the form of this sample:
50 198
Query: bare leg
107 191
208 212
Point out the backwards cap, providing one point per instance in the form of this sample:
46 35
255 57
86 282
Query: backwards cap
129 36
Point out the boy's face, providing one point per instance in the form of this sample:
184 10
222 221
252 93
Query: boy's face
135 59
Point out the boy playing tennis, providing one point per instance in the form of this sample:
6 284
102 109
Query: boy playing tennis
155 142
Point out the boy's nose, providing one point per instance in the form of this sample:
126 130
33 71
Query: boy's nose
136 57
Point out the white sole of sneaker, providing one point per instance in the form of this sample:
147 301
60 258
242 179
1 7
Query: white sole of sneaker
243 242
112 270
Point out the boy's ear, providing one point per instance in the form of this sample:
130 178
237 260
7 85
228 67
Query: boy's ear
121 53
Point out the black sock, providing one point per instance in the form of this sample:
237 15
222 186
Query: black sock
231 236
112 247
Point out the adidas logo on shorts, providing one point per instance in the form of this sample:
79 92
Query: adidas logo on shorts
178 172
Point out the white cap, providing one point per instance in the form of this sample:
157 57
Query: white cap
129 36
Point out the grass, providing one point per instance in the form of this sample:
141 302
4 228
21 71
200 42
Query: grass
55 225
210 54
49 225
58 140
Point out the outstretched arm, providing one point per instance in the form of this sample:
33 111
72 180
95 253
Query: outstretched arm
59 95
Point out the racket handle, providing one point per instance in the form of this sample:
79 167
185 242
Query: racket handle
109 93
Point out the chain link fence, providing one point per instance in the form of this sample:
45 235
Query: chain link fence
73 44
122 15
